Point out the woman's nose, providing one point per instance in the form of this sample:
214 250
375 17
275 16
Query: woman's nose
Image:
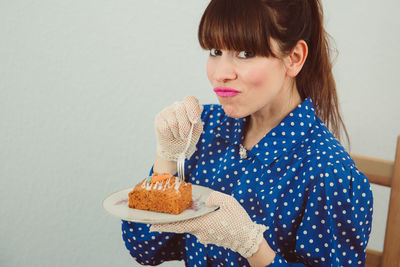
224 70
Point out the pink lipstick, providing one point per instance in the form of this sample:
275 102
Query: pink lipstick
225 91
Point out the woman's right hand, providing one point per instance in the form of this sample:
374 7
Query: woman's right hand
173 125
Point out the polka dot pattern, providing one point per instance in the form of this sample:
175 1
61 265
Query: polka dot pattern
298 181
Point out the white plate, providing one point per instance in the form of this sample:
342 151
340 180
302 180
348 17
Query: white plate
117 205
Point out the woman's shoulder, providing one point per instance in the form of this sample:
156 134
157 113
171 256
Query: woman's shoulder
328 161
323 153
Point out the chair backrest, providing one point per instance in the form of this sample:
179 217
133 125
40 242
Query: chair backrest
386 173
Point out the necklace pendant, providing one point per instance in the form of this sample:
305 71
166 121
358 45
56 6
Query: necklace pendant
242 152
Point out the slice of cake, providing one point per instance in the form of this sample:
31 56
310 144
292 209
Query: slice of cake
163 193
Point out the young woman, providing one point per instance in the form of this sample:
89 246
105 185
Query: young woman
289 193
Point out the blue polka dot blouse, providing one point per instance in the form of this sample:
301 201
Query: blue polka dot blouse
298 181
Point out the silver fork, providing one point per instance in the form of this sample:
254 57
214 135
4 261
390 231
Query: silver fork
181 159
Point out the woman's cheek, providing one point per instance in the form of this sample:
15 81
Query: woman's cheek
210 70
256 78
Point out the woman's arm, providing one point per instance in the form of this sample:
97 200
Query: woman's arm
154 248
164 166
337 220
335 225
263 257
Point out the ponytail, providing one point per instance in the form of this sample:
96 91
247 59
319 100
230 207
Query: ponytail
316 79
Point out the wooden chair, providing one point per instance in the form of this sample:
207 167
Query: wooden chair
386 173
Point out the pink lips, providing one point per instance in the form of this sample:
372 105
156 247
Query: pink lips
225 91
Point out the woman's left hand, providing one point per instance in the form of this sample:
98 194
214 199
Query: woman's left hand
230 226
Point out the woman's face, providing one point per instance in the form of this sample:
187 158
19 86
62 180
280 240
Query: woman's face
247 84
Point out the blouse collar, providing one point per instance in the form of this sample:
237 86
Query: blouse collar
290 131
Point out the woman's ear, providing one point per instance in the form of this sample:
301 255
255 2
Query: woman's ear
296 59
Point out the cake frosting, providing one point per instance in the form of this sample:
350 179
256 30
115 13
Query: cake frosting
162 193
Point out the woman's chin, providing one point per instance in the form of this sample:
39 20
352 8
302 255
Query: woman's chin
232 112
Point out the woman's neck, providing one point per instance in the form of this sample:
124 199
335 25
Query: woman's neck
267 118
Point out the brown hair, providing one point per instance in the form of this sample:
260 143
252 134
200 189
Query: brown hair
250 25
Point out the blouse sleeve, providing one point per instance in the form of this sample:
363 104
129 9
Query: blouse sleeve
151 248
336 224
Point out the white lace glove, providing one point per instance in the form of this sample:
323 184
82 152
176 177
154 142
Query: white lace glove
173 125
229 227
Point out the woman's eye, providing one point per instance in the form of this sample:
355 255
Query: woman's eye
215 52
245 54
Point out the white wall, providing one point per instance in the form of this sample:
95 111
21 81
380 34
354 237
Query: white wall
80 84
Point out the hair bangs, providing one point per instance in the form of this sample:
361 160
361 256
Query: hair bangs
236 25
